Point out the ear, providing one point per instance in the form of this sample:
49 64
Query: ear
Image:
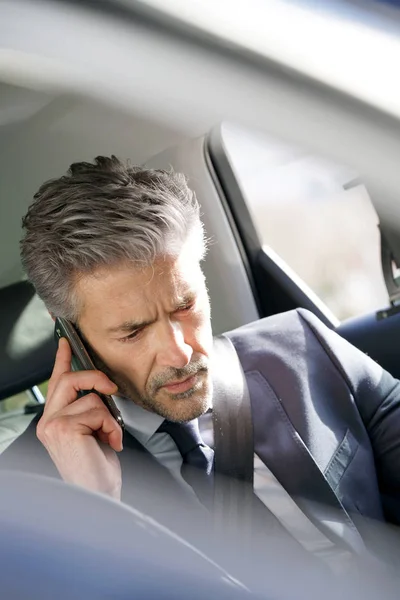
52 316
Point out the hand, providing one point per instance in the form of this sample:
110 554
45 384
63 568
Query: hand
79 433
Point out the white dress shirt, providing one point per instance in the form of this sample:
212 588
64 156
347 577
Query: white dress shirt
143 425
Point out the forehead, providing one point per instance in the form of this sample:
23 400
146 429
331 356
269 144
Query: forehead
111 291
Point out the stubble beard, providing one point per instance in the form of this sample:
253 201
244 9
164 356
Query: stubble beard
181 407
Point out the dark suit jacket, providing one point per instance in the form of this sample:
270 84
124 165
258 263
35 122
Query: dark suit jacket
326 422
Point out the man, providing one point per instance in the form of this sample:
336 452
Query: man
117 250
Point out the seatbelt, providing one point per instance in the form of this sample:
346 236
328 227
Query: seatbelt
233 441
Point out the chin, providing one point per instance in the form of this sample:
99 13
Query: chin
183 413
184 407
179 408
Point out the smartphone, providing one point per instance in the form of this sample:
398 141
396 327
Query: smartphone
81 361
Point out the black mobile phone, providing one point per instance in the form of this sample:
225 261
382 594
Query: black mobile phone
81 361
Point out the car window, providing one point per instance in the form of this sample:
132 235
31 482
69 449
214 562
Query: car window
16 402
16 412
35 395
315 215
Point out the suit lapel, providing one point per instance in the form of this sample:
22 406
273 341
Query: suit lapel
280 447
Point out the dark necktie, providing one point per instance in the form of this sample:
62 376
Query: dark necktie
198 459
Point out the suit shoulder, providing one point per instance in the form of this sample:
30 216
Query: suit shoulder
285 322
283 337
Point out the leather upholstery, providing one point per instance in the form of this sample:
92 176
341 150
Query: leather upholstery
27 347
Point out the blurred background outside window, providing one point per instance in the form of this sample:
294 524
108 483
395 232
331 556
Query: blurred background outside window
300 205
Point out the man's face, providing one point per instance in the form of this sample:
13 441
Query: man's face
150 331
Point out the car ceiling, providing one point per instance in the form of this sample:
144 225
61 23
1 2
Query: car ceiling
186 82
41 134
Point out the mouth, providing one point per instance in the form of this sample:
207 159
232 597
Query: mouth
177 387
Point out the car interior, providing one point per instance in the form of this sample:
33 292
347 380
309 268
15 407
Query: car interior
247 280
290 141
53 113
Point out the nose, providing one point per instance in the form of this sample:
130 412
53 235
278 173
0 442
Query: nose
173 349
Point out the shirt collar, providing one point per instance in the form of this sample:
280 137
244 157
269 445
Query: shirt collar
141 423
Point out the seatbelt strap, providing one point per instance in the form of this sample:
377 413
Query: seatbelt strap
233 440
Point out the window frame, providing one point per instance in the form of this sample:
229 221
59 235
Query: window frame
277 288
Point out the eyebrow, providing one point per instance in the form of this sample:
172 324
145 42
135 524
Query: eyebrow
129 326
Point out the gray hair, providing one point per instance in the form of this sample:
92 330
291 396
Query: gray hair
101 214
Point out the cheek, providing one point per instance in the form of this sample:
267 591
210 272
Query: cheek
129 361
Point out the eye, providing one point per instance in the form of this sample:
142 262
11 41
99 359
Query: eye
131 336
186 307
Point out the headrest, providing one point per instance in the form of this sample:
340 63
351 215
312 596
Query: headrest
27 347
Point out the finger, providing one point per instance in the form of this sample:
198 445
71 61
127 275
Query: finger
99 420
67 387
88 412
96 422
63 358
62 363
82 405
88 403
114 432
103 437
